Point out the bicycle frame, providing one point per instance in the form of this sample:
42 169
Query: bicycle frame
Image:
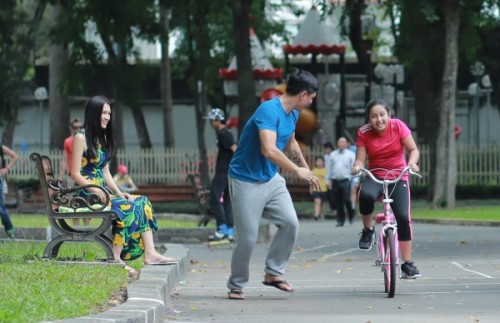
388 251
388 260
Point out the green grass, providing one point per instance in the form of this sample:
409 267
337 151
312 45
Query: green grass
475 213
35 290
41 221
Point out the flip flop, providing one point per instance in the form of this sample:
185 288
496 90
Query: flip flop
278 284
162 263
236 294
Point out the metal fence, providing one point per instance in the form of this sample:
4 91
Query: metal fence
477 165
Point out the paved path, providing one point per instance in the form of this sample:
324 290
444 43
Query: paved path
336 282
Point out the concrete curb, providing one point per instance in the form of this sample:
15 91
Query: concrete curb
149 296
163 235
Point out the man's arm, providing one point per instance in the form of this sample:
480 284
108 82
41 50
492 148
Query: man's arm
293 150
298 166
270 151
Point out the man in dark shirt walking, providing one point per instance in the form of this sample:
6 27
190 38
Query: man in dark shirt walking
220 202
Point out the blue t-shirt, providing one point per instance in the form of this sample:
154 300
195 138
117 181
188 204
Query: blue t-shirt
248 164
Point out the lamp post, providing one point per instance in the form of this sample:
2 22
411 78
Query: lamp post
40 96
486 83
477 70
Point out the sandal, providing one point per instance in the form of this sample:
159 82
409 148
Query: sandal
279 285
235 293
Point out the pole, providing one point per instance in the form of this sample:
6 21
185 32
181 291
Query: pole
476 106
40 109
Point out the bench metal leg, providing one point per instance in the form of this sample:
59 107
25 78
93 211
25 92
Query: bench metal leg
52 249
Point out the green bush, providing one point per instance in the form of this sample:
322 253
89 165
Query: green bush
27 183
463 192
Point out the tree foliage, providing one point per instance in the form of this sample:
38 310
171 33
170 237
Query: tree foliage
18 26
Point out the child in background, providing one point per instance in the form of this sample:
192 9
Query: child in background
124 181
320 196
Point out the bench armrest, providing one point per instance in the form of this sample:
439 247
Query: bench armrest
63 195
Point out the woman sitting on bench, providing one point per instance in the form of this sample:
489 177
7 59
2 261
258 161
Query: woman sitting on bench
93 148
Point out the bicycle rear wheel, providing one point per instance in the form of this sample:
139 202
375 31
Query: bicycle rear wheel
389 263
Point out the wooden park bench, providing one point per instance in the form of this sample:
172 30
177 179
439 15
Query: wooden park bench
202 196
62 205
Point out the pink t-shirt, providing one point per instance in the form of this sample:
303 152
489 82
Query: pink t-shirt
385 150
68 148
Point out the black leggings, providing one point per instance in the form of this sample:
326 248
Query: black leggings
371 191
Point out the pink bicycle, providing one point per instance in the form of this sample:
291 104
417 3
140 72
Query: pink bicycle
388 256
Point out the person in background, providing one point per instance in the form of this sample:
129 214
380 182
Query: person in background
385 142
354 181
4 214
65 166
93 148
320 195
123 180
327 150
341 161
220 201
256 187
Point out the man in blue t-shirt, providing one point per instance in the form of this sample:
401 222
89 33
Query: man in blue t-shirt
256 186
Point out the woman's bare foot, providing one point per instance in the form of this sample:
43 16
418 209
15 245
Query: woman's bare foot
159 260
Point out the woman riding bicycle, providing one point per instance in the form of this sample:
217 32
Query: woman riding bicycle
384 141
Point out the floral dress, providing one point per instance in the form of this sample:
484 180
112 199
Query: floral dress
134 216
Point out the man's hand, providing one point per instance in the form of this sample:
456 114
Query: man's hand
307 175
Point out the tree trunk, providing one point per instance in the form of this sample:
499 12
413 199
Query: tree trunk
199 46
118 121
166 80
420 49
10 126
58 101
362 47
247 100
445 180
141 127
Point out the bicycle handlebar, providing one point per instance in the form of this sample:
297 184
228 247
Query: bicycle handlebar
386 181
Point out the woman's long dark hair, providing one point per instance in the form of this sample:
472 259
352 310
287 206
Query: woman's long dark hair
93 131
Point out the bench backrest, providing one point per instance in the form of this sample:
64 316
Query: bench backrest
57 194
46 176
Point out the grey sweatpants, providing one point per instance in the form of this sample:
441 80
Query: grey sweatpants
250 202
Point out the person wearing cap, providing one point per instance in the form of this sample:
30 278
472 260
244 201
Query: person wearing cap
124 181
267 144
220 201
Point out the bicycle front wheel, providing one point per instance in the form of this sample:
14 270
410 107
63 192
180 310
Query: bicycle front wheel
389 263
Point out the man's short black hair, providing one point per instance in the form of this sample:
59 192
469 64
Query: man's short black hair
300 80
328 145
